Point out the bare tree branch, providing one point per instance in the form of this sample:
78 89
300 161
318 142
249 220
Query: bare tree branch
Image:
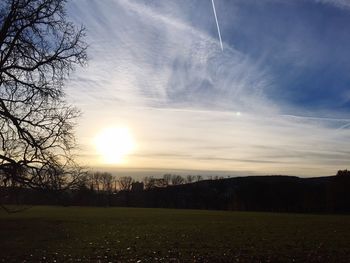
39 48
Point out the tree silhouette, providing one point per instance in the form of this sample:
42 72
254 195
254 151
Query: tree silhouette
190 179
343 172
38 49
149 182
167 179
177 179
125 183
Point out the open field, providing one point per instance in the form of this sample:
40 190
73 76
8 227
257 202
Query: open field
57 234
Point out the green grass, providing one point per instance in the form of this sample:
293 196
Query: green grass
73 234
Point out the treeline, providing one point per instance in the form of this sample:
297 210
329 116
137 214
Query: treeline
93 188
253 193
106 182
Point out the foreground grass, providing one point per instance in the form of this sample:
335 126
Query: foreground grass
56 234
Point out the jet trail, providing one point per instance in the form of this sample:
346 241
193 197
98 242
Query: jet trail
217 25
343 126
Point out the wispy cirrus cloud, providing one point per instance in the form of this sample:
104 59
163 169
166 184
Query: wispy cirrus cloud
164 60
190 105
337 3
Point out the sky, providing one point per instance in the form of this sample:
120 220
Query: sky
275 100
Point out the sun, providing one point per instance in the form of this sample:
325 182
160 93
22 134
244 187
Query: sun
114 144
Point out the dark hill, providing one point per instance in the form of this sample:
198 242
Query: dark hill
253 193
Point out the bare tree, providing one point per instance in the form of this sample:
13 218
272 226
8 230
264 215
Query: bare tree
114 184
38 49
343 173
96 177
199 178
190 179
167 179
149 182
125 183
160 182
107 182
100 181
177 179
89 181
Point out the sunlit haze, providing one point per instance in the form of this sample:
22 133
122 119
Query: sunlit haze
114 144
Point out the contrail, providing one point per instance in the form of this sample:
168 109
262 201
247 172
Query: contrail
217 24
344 126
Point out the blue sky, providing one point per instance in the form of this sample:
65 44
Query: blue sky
275 101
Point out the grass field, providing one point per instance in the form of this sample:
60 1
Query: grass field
73 234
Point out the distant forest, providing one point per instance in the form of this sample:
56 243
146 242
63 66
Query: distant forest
253 193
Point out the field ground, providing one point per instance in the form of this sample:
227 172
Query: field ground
73 234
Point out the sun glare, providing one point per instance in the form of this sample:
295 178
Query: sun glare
114 144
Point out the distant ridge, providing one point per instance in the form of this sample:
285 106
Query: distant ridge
275 193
